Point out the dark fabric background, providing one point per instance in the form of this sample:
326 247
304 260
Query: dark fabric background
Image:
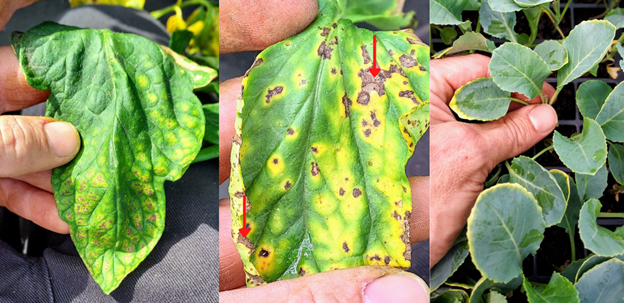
40 266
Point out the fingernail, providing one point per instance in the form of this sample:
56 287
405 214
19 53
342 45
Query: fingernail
63 139
544 118
399 288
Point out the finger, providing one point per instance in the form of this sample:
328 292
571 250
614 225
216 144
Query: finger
15 93
370 284
231 273
230 91
32 204
255 25
419 220
32 144
8 7
515 133
39 180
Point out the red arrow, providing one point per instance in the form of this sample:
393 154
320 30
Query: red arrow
374 70
244 231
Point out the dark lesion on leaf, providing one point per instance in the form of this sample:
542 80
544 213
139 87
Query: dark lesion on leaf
264 253
365 55
396 216
273 92
375 258
347 104
391 53
407 61
239 194
376 122
405 237
325 51
408 94
302 272
334 25
367 132
254 279
256 63
345 247
287 185
333 70
315 169
387 260
290 132
314 149
325 31
341 192
412 41
357 192
303 82
399 203
275 161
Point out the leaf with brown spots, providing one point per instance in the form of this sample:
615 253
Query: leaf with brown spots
342 142
133 104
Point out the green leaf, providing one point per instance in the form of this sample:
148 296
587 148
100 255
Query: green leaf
449 295
585 154
484 284
207 153
517 68
504 6
465 26
480 99
530 3
553 53
596 238
140 124
494 297
211 112
467 41
571 270
446 12
450 262
604 283
586 44
616 162
558 290
180 40
544 187
570 217
611 116
499 239
616 17
448 34
620 50
563 180
473 5
313 130
503 179
592 186
386 15
498 24
591 96
590 262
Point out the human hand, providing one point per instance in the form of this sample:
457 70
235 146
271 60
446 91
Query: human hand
463 154
255 27
29 146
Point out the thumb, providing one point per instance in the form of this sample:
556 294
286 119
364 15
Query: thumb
32 144
516 132
366 284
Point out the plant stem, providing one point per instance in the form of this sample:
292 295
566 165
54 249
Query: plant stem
571 235
549 13
565 9
543 151
611 215
157 14
519 101
207 153
552 100
613 49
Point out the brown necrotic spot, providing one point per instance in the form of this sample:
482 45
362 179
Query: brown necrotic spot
287 43
408 94
407 61
345 247
256 63
263 253
315 170
370 163
334 25
357 192
239 194
375 257
341 192
412 41
290 132
334 41
152 218
363 98
273 92
314 149
254 279
387 260
333 70
287 185
275 161
404 189
405 82
412 52
324 51
302 272
347 104
364 123
374 118
391 53
399 203
303 82
396 216
325 31
246 242
422 68
365 55
367 132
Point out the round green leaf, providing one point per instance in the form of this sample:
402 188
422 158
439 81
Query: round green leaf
570 217
616 17
499 239
485 284
587 44
504 6
517 68
544 187
530 3
558 290
447 12
592 186
467 41
480 99
553 53
586 153
616 162
596 238
498 24
450 262
591 96
611 116
603 283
